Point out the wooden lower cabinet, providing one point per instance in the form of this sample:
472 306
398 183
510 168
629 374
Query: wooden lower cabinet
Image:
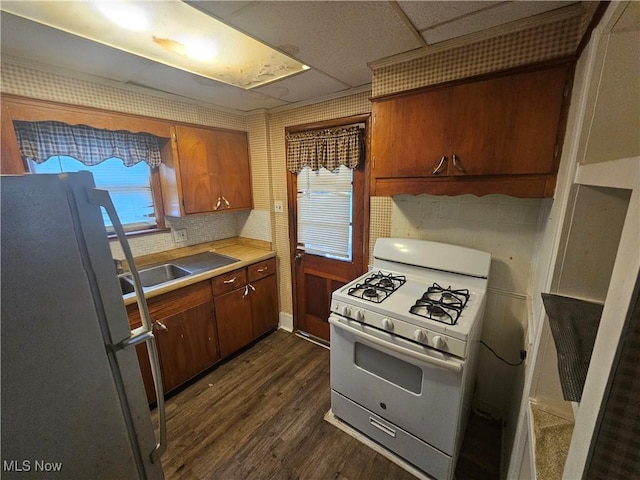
187 344
247 312
233 316
185 332
264 305
194 330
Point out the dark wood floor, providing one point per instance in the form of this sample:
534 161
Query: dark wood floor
260 416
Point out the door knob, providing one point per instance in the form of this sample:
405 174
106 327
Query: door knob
298 256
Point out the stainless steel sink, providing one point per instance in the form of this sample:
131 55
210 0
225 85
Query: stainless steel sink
154 276
125 285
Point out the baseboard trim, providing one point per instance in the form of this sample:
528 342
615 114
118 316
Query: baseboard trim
286 322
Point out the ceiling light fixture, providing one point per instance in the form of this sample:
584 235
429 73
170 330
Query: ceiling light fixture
170 32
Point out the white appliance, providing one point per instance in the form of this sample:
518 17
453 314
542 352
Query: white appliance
404 340
73 401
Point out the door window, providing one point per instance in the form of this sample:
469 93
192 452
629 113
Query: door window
325 212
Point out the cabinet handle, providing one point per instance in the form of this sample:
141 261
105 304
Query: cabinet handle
457 164
226 202
162 326
246 290
230 281
263 269
440 165
218 204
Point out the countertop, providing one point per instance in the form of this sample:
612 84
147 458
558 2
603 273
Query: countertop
247 253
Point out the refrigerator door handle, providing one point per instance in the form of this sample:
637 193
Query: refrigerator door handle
143 334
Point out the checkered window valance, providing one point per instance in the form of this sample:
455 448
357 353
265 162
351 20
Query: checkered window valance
39 141
328 148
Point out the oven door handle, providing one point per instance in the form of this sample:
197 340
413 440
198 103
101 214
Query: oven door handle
455 367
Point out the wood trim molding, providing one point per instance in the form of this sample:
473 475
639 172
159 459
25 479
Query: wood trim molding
34 110
333 123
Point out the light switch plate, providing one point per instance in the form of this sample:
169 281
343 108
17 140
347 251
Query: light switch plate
277 206
180 235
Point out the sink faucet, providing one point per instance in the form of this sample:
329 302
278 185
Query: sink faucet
118 264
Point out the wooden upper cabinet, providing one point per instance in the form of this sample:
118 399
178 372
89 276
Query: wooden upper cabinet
212 172
507 125
410 133
496 135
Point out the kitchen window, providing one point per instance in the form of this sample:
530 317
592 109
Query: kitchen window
123 163
129 188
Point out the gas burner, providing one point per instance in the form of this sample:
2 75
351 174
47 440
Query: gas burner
387 281
435 310
369 293
377 287
441 304
448 296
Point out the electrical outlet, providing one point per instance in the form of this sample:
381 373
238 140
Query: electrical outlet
180 235
277 206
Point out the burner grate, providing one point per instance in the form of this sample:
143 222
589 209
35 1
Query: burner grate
441 304
377 287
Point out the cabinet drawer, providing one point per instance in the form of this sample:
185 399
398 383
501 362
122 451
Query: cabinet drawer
262 269
172 302
229 281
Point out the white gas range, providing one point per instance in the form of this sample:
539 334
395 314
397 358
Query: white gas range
404 340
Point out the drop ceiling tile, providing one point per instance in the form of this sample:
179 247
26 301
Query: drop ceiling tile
337 38
427 14
176 82
39 43
501 14
221 10
303 86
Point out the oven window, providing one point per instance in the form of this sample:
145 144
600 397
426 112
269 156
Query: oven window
391 369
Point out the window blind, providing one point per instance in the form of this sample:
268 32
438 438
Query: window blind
129 188
325 212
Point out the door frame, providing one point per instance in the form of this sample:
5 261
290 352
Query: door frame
293 204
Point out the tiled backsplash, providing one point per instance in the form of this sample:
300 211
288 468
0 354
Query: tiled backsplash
503 226
201 229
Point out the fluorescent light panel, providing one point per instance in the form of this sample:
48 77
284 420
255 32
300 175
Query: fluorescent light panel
169 32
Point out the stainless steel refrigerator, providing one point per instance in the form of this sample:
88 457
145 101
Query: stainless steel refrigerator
73 402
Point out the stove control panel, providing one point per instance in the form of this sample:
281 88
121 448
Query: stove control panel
437 340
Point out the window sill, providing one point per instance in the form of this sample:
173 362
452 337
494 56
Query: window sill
136 233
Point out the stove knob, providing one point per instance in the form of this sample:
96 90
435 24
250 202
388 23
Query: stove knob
360 316
387 324
438 342
419 335
346 311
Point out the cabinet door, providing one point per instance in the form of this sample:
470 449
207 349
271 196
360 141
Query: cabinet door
234 176
197 169
409 134
507 125
264 305
233 317
187 344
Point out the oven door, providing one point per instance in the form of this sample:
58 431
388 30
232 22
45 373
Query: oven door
414 387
